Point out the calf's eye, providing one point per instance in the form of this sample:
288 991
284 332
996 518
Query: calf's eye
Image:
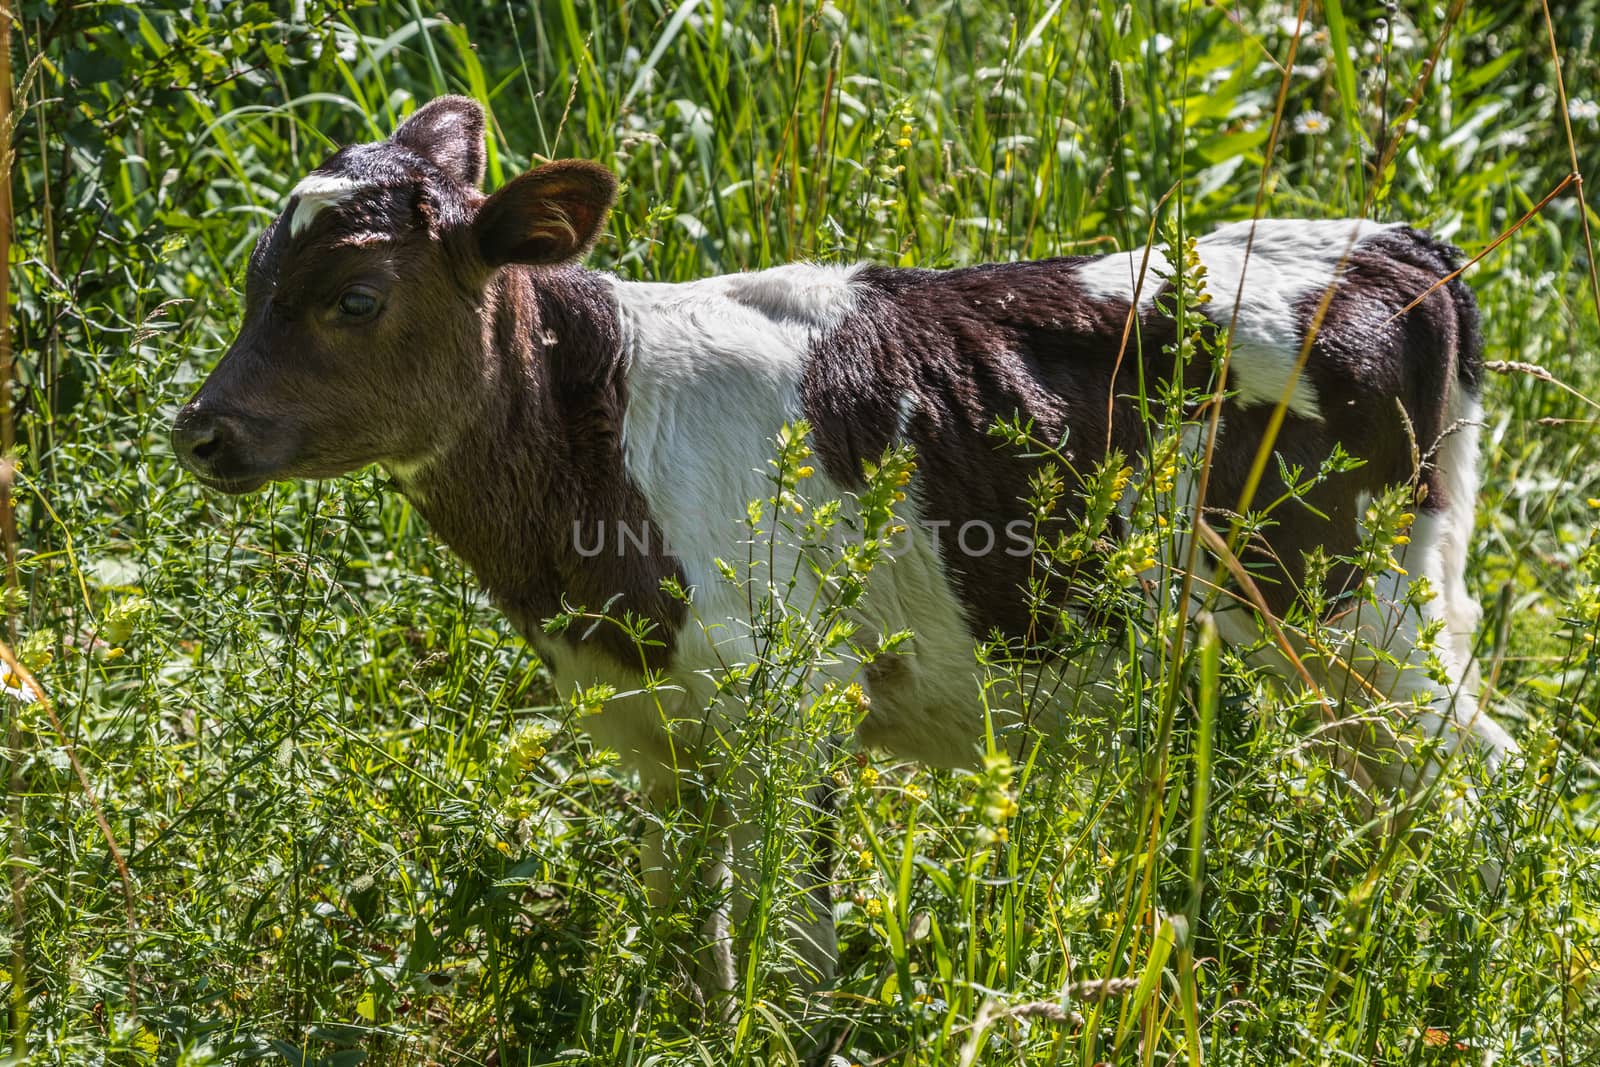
358 302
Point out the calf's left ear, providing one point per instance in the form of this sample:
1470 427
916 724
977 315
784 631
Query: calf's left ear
448 131
552 214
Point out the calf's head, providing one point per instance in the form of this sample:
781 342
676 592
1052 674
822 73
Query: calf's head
369 303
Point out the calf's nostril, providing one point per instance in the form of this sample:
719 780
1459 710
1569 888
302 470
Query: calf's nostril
197 439
204 447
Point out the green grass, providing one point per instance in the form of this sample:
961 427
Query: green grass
318 749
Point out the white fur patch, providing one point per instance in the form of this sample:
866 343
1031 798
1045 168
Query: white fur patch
714 370
316 192
1121 274
927 701
1448 710
1456 457
406 474
814 297
905 411
1289 260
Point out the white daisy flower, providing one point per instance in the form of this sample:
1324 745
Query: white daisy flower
13 686
1313 122
1583 110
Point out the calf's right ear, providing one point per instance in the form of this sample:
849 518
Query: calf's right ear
552 214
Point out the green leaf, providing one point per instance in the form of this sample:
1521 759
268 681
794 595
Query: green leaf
1344 71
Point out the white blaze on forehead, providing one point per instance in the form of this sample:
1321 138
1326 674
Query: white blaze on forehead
318 191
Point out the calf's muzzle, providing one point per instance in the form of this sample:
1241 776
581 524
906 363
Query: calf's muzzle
215 448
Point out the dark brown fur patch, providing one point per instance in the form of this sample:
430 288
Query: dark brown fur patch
543 459
957 349
1366 355
947 353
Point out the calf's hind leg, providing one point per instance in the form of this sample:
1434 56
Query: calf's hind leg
1391 695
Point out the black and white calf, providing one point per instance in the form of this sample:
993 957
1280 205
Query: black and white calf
397 315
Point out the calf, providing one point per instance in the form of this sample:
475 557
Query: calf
397 315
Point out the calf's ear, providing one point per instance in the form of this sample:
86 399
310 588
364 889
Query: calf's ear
448 132
552 214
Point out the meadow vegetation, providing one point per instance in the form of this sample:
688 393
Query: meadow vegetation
353 821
